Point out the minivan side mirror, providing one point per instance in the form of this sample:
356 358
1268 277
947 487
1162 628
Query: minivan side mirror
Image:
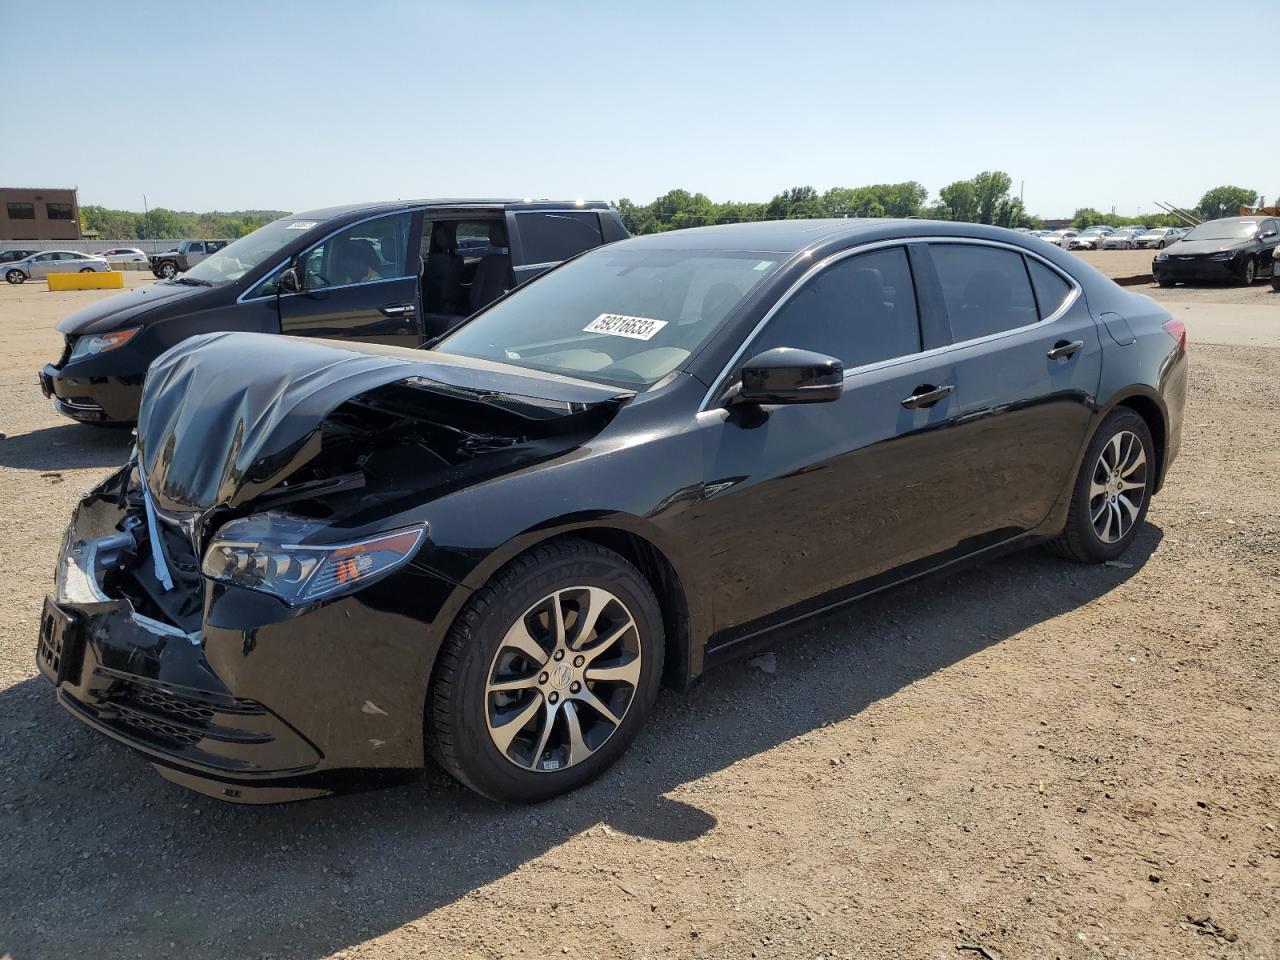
289 280
788 375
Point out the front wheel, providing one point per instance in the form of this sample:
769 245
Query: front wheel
167 270
1112 490
547 674
1250 271
86 270
1164 282
15 276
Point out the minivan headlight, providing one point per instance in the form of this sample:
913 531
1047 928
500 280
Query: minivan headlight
265 552
97 343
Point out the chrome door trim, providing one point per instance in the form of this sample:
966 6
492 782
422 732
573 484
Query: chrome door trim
719 382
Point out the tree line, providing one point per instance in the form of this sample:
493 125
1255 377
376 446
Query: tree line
984 198
164 224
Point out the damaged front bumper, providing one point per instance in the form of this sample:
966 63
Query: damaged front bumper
261 703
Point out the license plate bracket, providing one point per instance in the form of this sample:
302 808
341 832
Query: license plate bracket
61 644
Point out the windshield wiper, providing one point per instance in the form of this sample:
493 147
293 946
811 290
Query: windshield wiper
193 281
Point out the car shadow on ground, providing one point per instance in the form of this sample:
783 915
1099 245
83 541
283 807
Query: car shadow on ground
68 446
97 849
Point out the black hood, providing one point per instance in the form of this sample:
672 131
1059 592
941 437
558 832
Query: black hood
224 416
123 309
1202 248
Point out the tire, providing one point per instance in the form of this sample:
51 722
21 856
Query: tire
1275 279
16 276
167 270
1094 535
1164 282
87 270
1249 272
535 761
1160 245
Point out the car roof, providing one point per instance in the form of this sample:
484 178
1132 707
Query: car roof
489 203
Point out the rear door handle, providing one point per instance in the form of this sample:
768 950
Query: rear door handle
926 395
1064 348
399 309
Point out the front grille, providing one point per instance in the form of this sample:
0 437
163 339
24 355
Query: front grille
50 648
156 727
180 708
67 344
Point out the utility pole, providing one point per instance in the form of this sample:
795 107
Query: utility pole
145 215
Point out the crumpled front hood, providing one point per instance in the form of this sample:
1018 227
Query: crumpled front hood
225 416
120 310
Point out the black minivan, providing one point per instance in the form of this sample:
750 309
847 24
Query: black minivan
397 273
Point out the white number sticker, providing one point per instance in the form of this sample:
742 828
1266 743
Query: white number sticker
620 325
302 225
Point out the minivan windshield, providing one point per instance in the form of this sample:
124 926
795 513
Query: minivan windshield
1223 230
236 259
617 316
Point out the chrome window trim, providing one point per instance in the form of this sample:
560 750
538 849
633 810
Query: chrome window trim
719 383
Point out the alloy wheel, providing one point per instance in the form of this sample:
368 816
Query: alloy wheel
563 678
1118 487
168 270
1250 271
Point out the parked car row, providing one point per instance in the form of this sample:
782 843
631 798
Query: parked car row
1100 237
37 266
332 558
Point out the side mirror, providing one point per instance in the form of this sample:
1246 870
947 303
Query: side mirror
289 282
1267 235
786 375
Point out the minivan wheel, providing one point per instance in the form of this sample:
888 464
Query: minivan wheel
1111 492
547 674
15 276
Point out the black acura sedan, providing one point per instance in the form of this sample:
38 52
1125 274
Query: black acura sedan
1234 248
328 561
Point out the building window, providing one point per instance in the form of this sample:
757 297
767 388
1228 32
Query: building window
22 211
59 211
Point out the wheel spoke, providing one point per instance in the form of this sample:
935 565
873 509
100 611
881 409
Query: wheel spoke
622 673
1113 448
1096 489
1139 461
593 653
519 638
578 749
595 703
504 733
1119 527
1105 533
1097 514
517 683
1129 507
597 600
548 722
557 620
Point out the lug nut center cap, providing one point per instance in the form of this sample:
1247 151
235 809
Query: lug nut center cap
561 675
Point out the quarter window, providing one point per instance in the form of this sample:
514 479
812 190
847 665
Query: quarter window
860 310
552 237
22 211
1051 290
369 251
59 211
986 289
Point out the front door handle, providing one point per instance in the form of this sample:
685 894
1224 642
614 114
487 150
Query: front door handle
926 395
1064 348
399 309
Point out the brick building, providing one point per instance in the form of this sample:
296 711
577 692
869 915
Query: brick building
39 213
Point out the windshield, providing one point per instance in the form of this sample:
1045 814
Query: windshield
622 317
1223 230
235 260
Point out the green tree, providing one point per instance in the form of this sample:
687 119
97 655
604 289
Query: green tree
991 190
959 201
797 203
1225 202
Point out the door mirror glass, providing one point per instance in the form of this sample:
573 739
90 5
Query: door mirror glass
1266 234
787 375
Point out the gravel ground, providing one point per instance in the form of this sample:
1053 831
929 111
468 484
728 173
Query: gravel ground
1046 759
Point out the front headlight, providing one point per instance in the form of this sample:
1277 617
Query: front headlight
265 552
1162 255
97 343
1222 255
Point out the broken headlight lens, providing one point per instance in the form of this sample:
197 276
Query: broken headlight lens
266 552
97 343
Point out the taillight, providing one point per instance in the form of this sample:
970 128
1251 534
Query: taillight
1178 330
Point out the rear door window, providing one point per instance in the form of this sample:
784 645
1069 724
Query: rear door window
986 289
549 237
1050 288
860 310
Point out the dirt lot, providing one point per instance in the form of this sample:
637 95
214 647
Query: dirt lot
1046 759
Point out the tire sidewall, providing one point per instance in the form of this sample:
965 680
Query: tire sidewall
1116 421
15 276
486 769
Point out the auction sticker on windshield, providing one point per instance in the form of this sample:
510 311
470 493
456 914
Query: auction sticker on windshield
620 325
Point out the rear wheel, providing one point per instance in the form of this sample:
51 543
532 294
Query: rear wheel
548 673
86 269
1111 492
15 276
